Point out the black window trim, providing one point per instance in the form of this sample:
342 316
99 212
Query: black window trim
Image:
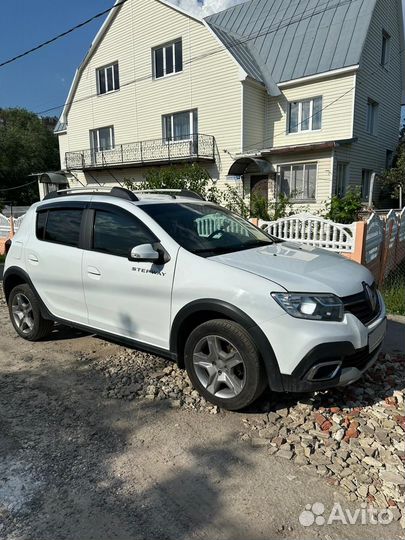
76 205
89 220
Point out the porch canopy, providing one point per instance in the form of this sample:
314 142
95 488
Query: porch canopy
251 165
56 178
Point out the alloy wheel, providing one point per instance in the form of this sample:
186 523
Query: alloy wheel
22 313
219 367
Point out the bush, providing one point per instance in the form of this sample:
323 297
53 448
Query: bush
234 201
393 291
192 177
260 207
344 209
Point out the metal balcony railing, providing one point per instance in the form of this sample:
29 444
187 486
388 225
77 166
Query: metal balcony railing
198 147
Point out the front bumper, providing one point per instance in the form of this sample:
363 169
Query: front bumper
354 363
301 346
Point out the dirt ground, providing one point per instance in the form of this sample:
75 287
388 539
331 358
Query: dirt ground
77 466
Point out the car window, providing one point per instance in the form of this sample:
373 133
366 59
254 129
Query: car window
206 229
61 226
118 233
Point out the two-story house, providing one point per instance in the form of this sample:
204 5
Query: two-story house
297 96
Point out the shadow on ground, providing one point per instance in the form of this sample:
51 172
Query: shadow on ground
58 445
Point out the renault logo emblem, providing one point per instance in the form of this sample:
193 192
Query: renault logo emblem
371 296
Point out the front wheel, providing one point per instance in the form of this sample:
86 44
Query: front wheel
224 365
25 314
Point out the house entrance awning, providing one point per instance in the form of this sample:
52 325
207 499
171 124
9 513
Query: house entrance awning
255 165
52 178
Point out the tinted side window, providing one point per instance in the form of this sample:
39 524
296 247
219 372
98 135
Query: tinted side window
63 226
41 222
117 234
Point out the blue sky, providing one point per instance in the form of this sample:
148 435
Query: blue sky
41 80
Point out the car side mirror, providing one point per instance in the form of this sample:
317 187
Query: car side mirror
149 253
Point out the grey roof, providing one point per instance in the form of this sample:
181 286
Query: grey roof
281 40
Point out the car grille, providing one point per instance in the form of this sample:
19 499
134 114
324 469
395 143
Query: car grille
359 306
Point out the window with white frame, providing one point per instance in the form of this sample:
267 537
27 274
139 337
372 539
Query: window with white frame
108 79
167 59
341 178
298 181
102 139
386 49
305 115
180 126
372 116
366 176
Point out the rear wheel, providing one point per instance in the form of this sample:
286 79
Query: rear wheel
224 365
25 314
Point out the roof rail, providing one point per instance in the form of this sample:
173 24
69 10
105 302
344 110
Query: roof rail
122 193
173 192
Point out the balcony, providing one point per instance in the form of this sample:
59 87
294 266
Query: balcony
137 154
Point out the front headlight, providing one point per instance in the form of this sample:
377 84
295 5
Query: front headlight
315 307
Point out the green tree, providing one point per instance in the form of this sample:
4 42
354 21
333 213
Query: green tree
395 178
192 177
344 209
27 146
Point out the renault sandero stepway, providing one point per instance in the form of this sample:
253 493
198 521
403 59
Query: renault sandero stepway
175 275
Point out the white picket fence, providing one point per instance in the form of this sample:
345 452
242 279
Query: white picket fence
208 225
5 225
313 231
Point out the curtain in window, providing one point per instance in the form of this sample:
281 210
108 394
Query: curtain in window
181 126
294 112
285 177
317 113
306 115
310 182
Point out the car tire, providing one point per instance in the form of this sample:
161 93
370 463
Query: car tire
25 314
224 364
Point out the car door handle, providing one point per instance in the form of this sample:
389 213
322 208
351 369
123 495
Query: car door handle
33 258
93 271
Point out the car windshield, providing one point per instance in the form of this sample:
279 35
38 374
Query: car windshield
206 229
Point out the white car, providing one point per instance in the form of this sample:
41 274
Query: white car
186 279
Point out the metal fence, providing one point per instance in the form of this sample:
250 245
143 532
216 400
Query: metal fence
198 146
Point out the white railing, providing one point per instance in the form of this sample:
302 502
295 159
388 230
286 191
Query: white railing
5 225
208 225
313 231
17 223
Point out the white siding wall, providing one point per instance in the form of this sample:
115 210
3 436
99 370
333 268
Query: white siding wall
254 103
381 85
337 118
210 82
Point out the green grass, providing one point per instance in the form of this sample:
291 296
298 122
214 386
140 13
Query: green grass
393 291
2 258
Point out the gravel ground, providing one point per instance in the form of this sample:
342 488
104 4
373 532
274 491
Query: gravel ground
353 437
99 441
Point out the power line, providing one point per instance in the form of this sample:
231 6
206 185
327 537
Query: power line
273 28
59 36
286 131
19 187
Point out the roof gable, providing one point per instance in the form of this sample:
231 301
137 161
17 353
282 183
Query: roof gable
291 39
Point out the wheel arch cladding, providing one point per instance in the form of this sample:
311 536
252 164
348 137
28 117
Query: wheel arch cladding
17 276
200 311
